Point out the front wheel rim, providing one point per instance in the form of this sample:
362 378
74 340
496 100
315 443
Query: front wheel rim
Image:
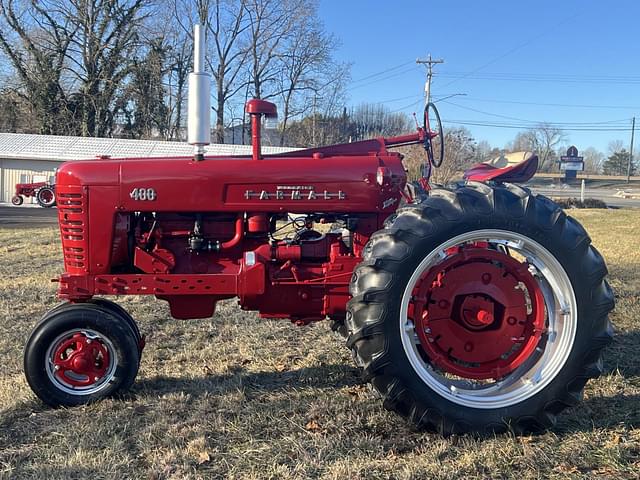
81 362
544 363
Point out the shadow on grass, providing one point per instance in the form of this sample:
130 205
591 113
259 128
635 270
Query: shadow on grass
29 432
322 377
601 413
623 355
24 426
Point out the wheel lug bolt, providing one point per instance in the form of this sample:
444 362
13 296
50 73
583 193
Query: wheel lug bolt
88 341
56 367
468 347
511 320
486 278
95 379
443 304
427 330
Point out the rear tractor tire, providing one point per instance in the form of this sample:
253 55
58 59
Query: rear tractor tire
17 200
481 309
46 197
80 353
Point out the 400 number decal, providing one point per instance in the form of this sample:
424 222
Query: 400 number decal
143 194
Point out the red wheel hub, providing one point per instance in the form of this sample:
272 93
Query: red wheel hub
479 314
80 361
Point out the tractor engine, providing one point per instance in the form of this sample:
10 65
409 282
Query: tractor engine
195 230
281 233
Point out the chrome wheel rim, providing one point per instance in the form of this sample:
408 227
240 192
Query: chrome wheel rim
537 371
68 381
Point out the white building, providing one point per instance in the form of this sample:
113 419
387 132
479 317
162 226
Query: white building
26 158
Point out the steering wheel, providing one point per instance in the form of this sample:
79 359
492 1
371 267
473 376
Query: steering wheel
432 119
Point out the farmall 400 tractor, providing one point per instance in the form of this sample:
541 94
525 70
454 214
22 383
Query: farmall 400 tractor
43 191
481 307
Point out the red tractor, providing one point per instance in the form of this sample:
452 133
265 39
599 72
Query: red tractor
44 192
481 307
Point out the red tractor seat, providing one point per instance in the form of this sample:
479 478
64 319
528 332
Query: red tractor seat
514 167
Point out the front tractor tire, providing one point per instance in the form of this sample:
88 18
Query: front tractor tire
480 309
81 353
17 200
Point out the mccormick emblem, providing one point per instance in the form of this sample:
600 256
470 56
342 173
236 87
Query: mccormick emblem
294 192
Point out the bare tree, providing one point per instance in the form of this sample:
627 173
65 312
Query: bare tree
226 23
270 22
459 153
615 146
114 67
593 160
35 36
145 101
101 55
484 152
543 140
180 55
306 68
373 120
177 53
362 122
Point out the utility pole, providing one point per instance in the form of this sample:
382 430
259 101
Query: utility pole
429 62
633 130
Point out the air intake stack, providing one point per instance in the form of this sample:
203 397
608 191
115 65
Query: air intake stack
199 106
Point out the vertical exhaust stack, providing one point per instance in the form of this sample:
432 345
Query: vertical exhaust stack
199 104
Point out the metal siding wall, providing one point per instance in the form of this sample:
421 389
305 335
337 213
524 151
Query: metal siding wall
12 170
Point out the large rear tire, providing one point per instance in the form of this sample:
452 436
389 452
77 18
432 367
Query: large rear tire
509 349
46 197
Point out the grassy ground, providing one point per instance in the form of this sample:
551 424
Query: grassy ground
239 397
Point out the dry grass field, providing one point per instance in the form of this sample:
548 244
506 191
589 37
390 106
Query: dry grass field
239 397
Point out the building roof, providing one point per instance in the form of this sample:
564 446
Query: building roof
59 148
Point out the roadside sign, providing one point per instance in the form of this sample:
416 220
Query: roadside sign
571 163
578 166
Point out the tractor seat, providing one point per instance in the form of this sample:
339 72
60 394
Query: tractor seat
514 167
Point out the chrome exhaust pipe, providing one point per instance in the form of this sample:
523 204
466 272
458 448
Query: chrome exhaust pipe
199 102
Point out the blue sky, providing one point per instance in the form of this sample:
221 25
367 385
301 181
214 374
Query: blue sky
580 56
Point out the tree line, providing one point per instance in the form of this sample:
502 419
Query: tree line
120 67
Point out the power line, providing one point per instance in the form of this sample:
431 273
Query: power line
554 75
411 105
438 98
545 78
397 74
516 48
534 122
544 104
382 72
480 123
485 113
392 100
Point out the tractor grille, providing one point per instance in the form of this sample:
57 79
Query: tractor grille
72 216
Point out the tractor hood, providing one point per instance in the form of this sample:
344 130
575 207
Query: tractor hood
316 183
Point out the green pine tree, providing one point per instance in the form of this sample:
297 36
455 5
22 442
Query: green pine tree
617 164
